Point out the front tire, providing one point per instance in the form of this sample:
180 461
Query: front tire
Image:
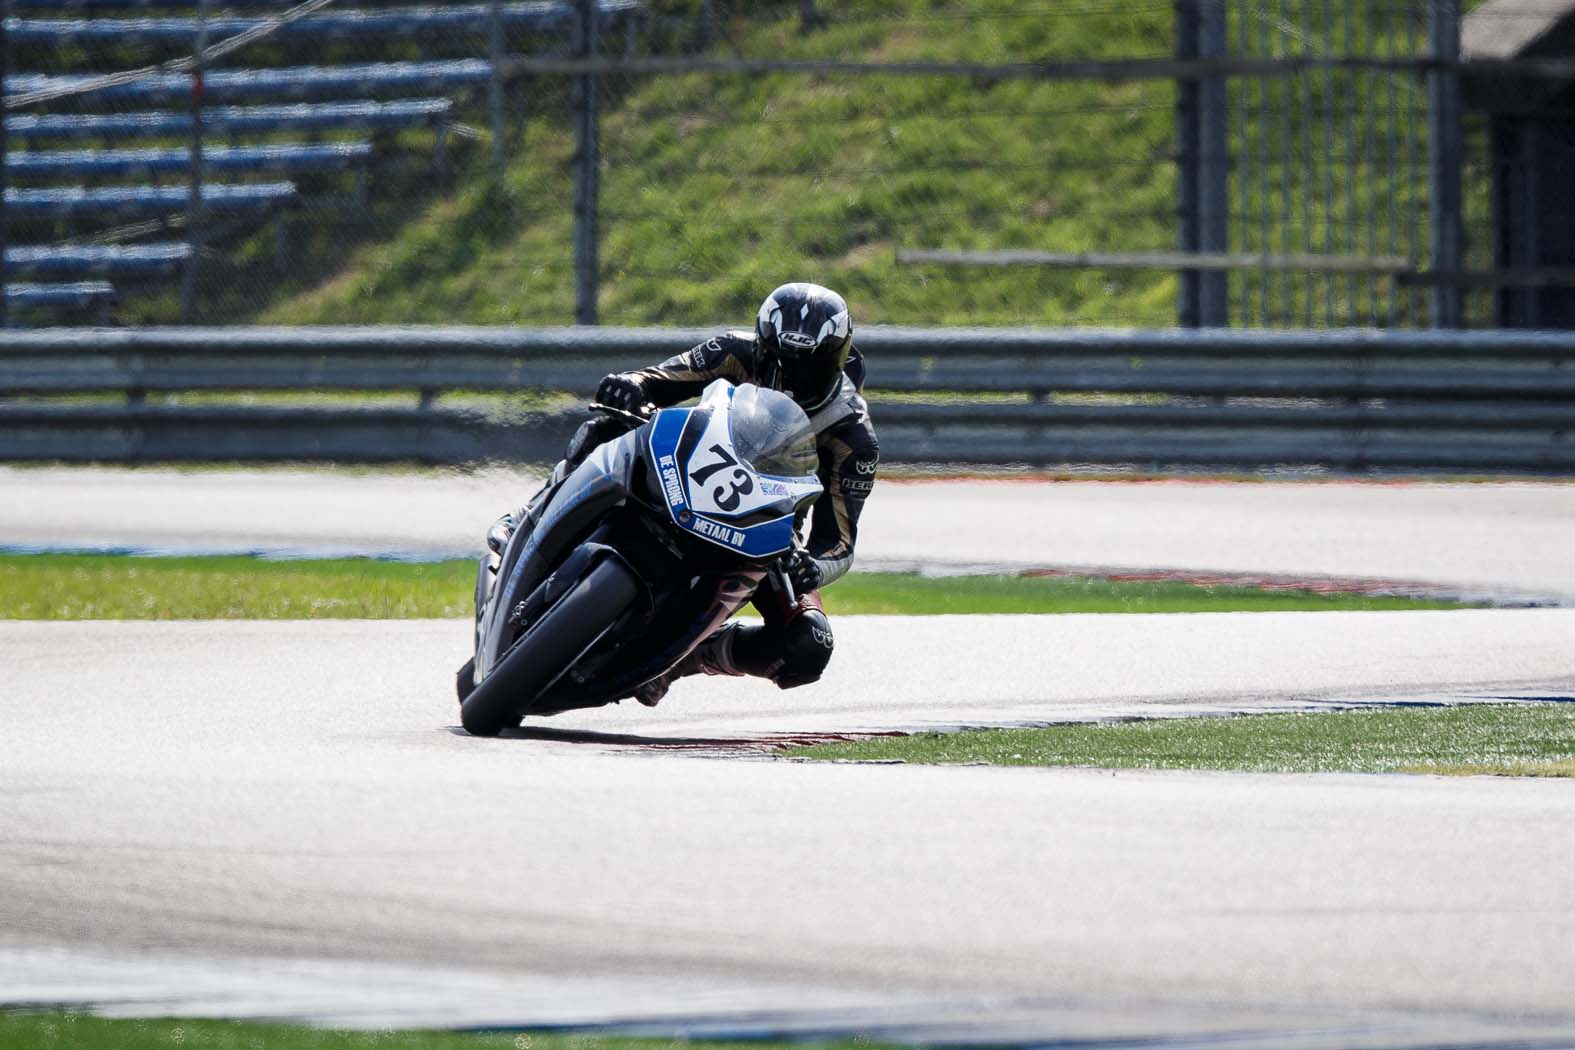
549 648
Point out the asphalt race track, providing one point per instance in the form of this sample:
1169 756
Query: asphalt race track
280 819
1494 539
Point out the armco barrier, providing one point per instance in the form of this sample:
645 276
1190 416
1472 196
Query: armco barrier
1478 402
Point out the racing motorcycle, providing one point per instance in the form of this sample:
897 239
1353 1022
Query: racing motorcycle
638 554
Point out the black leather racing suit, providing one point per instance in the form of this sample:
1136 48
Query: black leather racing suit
794 645
844 437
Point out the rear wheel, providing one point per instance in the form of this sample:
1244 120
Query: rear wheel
550 647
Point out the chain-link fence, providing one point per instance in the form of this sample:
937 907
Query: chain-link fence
1332 162
1347 162
669 161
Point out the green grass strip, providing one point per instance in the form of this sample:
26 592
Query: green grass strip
1506 739
70 1031
117 587
911 594
122 587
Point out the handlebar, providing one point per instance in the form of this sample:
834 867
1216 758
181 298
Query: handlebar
634 419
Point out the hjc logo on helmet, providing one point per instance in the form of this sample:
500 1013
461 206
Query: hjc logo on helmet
806 334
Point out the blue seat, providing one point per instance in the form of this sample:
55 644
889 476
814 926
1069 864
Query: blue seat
127 259
75 293
234 120
285 157
391 21
62 201
283 82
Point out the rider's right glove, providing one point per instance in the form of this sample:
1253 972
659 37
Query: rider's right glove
800 568
620 391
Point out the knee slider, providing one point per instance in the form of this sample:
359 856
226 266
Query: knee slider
806 649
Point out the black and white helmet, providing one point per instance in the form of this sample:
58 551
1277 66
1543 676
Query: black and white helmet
802 339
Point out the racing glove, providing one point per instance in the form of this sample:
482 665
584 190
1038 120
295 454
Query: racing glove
802 570
620 391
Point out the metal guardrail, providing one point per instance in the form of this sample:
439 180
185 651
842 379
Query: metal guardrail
1344 400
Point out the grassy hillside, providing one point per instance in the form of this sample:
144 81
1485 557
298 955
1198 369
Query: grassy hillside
717 188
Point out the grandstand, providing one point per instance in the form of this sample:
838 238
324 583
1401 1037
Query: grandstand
101 173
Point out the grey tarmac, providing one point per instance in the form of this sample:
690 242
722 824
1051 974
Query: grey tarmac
1502 539
280 819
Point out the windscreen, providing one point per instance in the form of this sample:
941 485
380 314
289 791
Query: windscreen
772 434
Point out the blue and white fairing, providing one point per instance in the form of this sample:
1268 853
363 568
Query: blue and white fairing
736 469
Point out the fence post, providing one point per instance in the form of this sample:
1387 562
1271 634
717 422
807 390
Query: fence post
1202 163
495 85
707 24
1445 145
1187 162
587 160
1213 168
188 284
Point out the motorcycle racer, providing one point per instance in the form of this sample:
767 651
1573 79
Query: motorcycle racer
802 345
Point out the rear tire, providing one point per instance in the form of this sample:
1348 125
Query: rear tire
548 649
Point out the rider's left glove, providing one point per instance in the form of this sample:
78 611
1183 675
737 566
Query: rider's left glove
801 569
620 391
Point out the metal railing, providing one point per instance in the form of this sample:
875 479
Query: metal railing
1345 400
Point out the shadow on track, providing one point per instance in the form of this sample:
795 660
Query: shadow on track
765 743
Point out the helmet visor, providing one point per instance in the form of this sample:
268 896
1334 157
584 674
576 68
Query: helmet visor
810 377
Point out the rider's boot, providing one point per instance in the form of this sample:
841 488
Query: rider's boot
792 648
503 529
590 434
498 536
712 656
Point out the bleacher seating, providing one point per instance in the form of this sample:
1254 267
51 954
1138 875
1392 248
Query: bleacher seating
142 163
395 21
367 78
72 293
116 259
61 202
74 6
82 148
235 120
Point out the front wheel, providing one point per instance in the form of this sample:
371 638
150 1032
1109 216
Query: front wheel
549 648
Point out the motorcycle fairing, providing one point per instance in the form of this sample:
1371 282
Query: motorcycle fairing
593 488
692 615
711 491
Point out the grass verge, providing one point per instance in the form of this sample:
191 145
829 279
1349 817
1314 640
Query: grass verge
911 594
69 1031
122 587
1503 739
